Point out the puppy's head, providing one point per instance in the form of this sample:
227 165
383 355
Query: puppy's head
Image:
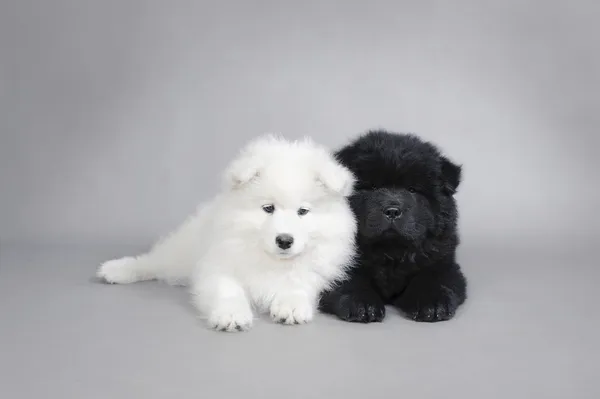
405 187
280 190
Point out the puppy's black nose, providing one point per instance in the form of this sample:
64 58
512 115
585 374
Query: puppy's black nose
284 241
392 212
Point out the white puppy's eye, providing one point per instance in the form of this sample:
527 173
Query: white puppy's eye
269 208
302 211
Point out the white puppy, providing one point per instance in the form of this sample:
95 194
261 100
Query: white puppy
279 233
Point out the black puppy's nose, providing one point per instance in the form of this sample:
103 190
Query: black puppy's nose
284 241
392 212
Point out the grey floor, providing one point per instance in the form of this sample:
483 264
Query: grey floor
529 330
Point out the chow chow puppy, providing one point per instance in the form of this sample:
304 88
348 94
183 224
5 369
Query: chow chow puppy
407 232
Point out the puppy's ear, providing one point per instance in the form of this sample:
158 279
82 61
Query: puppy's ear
252 158
451 175
242 171
335 177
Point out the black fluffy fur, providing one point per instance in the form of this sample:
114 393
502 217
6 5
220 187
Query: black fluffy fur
408 261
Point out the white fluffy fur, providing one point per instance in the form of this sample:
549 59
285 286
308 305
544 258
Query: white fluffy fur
226 252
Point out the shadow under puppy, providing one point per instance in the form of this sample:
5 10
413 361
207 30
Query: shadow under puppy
280 231
407 231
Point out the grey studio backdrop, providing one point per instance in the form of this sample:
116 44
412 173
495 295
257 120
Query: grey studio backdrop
117 116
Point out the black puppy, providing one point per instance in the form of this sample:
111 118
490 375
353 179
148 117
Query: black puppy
407 234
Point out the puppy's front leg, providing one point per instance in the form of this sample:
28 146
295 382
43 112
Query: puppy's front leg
293 305
354 300
434 294
224 301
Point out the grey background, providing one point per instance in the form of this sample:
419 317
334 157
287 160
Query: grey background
116 117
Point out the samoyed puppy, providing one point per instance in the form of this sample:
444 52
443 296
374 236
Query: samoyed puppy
280 231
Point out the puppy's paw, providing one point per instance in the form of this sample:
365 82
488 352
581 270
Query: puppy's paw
360 308
292 310
428 302
118 271
231 318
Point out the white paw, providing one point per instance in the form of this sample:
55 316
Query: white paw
230 318
118 271
292 310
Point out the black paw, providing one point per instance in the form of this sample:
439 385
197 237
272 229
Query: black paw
428 303
360 310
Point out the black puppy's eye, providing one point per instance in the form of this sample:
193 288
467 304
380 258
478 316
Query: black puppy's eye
412 190
302 211
268 208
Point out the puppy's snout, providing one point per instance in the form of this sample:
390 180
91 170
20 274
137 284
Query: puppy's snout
284 241
392 212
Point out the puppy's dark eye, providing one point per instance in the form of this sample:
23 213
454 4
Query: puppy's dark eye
412 190
268 208
302 211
